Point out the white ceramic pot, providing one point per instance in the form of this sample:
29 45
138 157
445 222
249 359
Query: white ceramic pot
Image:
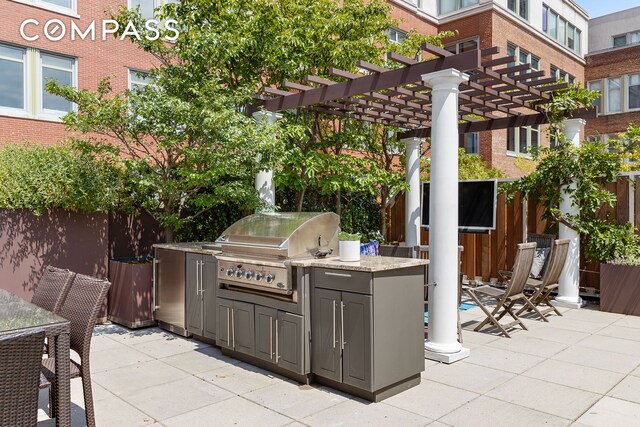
349 250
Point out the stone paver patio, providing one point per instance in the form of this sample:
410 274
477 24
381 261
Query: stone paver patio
582 369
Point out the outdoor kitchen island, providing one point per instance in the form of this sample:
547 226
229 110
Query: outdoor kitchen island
354 326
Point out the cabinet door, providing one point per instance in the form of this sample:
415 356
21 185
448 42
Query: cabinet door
290 339
265 333
243 328
325 335
209 296
357 345
223 325
193 296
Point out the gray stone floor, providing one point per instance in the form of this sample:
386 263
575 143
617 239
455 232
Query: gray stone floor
582 369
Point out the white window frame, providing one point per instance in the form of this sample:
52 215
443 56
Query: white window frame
599 109
627 87
458 6
561 38
47 114
20 112
41 4
530 56
400 34
130 73
516 133
517 11
622 91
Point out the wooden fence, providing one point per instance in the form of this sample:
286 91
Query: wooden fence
485 254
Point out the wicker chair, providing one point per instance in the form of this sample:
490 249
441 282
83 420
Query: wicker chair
20 358
81 308
52 288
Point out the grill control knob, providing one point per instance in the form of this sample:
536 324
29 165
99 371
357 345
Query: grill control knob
239 273
230 271
269 278
259 276
248 275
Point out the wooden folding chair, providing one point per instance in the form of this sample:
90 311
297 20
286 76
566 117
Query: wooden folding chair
507 298
549 282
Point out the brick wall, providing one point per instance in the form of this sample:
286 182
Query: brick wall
95 59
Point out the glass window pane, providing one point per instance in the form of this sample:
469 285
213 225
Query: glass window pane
545 22
578 48
562 29
468 45
63 3
146 7
619 41
465 3
524 57
553 24
11 52
634 91
535 63
523 139
634 37
535 137
524 9
571 36
11 84
472 143
54 102
511 139
511 4
597 86
614 98
57 62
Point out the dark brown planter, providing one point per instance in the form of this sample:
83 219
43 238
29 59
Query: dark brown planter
620 289
131 293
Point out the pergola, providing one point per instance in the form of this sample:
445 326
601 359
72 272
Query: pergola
442 97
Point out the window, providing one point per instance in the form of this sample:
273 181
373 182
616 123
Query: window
522 56
560 74
12 77
519 7
62 3
614 92
60 69
447 6
138 79
470 142
597 86
396 35
619 41
561 30
626 39
63 6
147 7
634 91
523 140
462 46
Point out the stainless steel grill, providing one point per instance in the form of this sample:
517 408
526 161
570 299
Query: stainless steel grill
256 250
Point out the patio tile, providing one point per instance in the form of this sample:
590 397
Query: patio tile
358 412
138 336
130 379
622 332
628 321
431 399
102 342
168 346
240 379
627 389
578 325
471 339
503 360
616 345
485 411
563 336
200 360
177 397
231 412
611 412
475 378
576 376
554 399
116 412
529 345
636 371
598 358
116 357
593 314
294 400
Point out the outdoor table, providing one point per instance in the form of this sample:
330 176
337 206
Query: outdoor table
16 314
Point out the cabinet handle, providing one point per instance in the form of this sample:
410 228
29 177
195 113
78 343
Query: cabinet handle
197 278
329 273
156 262
333 305
270 337
228 325
342 341
233 330
201 277
277 356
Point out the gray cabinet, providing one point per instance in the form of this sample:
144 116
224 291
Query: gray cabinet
200 276
280 338
236 326
342 337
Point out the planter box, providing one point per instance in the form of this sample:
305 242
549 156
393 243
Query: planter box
620 289
131 294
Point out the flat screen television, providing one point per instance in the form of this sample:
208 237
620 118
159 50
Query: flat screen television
477 200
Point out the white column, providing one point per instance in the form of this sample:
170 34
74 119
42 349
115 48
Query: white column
442 343
264 179
413 147
568 295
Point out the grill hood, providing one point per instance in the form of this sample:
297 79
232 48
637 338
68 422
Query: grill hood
282 235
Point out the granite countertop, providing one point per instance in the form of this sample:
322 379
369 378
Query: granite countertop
194 247
370 264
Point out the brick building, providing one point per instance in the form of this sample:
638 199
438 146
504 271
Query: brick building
549 34
613 68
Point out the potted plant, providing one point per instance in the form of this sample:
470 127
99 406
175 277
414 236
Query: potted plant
131 293
349 245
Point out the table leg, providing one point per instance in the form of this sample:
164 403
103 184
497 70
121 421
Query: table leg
63 386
